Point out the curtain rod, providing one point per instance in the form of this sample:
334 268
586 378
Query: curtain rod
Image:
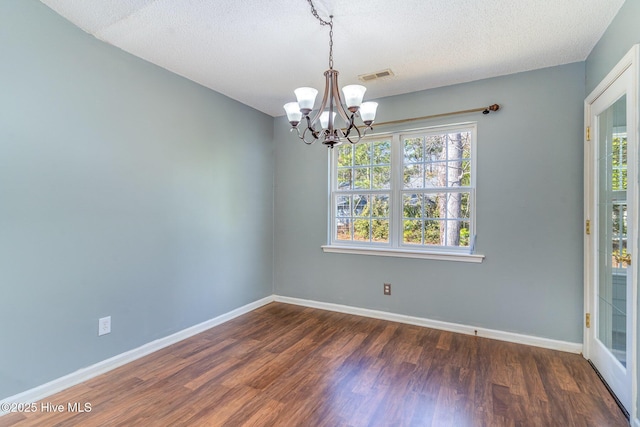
485 110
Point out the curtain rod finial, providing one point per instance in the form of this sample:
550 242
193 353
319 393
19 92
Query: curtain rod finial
494 107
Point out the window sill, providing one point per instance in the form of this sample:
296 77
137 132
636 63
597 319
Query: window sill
405 253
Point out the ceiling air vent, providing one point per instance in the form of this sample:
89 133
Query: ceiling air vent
377 75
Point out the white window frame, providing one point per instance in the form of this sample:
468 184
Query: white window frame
396 247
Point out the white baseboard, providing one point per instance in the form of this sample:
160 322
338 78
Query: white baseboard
566 346
84 374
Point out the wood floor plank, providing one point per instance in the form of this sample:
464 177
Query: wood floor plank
284 365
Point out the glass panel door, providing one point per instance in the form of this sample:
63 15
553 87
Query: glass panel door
613 258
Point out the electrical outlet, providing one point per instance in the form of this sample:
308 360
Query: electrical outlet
387 288
104 325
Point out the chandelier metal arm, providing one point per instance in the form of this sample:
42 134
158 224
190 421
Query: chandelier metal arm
336 96
310 130
307 130
318 113
357 130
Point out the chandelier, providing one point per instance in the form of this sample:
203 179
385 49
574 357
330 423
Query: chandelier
331 105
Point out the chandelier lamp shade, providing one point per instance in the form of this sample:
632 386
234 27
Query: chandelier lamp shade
321 124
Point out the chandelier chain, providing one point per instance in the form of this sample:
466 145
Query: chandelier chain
330 24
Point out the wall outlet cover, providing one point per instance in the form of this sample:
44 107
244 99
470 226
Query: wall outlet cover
104 325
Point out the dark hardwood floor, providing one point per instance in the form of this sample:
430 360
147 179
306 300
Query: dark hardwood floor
283 365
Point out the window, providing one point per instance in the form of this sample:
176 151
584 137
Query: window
405 194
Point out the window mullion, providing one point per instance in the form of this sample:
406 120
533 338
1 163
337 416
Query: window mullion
333 186
397 180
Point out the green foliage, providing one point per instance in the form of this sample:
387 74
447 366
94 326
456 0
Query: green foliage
619 163
412 231
464 235
374 224
432 232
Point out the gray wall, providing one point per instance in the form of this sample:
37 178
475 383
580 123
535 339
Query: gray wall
125 190
621 34
529 214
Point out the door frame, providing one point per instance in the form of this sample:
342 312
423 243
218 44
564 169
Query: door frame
630 61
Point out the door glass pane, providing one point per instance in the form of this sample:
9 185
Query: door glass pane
613 259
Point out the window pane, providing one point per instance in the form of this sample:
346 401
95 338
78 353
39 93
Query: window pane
413 176
362 154
457 205
456 143
454 174
466 173
343 218
382 153
343 206
466 145
413 150
343 229
412 205
455 233
433 232
464 235
381 177
345 155
380 206
433 205
344 179
464 206
362 178
412 231
435 175
452 205
361 205
435 148
618 162
619 233
380 230
361 230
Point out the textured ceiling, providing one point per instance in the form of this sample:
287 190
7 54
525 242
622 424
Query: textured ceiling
258 51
